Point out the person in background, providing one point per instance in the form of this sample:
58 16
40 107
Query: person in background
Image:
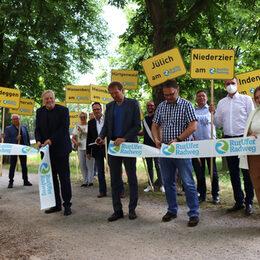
232 113
252 162
203 132
176 117
13 136
148 140
90 117
79 137
122 124
52 128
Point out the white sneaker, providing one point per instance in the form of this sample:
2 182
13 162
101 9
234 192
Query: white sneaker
162 189
149 188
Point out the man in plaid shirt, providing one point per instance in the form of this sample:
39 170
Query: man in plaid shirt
177 118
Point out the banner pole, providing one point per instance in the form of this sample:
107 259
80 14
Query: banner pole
78 151
212 129
2 139
19 132
148 176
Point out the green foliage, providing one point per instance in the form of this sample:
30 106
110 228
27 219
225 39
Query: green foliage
43 42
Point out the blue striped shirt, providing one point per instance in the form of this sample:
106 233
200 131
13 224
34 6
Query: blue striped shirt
174 118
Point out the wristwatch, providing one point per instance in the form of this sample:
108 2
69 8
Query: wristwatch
178 139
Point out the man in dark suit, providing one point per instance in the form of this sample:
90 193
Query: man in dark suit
13 136
122 124
98 152
52 128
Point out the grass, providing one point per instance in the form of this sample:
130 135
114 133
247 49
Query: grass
226 192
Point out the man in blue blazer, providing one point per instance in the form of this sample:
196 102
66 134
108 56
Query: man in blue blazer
12 135
122 123
52 128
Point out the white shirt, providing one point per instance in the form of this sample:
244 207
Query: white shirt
100 124
232 114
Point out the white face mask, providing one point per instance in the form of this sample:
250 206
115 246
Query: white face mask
232 88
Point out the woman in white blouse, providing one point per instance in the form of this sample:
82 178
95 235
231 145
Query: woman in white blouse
252 162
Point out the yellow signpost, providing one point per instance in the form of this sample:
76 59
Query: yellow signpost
100 94
212 64
128 78
247 82
74 119
77 94
9 97
167 65
26 107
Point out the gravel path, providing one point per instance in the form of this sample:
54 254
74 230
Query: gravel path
27 233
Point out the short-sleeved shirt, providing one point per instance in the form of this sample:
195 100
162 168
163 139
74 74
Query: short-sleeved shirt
82 137
174 118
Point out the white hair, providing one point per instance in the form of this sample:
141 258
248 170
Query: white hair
13 115
48 91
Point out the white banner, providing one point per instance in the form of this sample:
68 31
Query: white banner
46 189
193 149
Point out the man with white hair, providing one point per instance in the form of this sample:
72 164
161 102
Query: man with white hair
15 135
52 128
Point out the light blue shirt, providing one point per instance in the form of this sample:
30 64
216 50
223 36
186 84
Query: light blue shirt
203 131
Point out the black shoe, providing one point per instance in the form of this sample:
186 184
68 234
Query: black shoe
27 183
67 211
53 209
116 215
201 199
84 185
91 184
193 221
168 217
132 214
216 200
249 209
236 207
10 185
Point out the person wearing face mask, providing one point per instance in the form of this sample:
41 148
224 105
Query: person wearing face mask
232 113
252 162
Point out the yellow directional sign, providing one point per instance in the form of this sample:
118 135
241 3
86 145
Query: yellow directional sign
74 119
167 65
78 94
100 94
25 108
212 64
247 82
128 78
61 103
9 97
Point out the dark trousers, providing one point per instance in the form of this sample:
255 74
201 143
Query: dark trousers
201 179
60 167
115 164
13 161
149 162
234 171
99 160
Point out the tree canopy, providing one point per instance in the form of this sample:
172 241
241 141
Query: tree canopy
43 42
160 25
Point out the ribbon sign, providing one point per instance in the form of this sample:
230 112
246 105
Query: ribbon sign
46 189
194 149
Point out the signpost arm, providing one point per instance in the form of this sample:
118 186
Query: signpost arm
148 176
2 139
212 128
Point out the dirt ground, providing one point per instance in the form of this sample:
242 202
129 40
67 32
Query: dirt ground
27 233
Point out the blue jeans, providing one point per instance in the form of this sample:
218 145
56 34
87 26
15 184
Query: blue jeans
168 168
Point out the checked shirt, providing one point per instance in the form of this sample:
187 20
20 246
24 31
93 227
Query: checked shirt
174 118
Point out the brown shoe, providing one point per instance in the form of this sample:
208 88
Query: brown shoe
168 217
101 195
122 195
193 221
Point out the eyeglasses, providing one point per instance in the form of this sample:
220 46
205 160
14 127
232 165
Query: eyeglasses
150 105
82 117
96 109
170 95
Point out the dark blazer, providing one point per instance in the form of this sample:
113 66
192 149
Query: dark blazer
54 125
92 136
131 117
11 132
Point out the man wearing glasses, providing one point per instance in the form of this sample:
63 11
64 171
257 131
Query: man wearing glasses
177 118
